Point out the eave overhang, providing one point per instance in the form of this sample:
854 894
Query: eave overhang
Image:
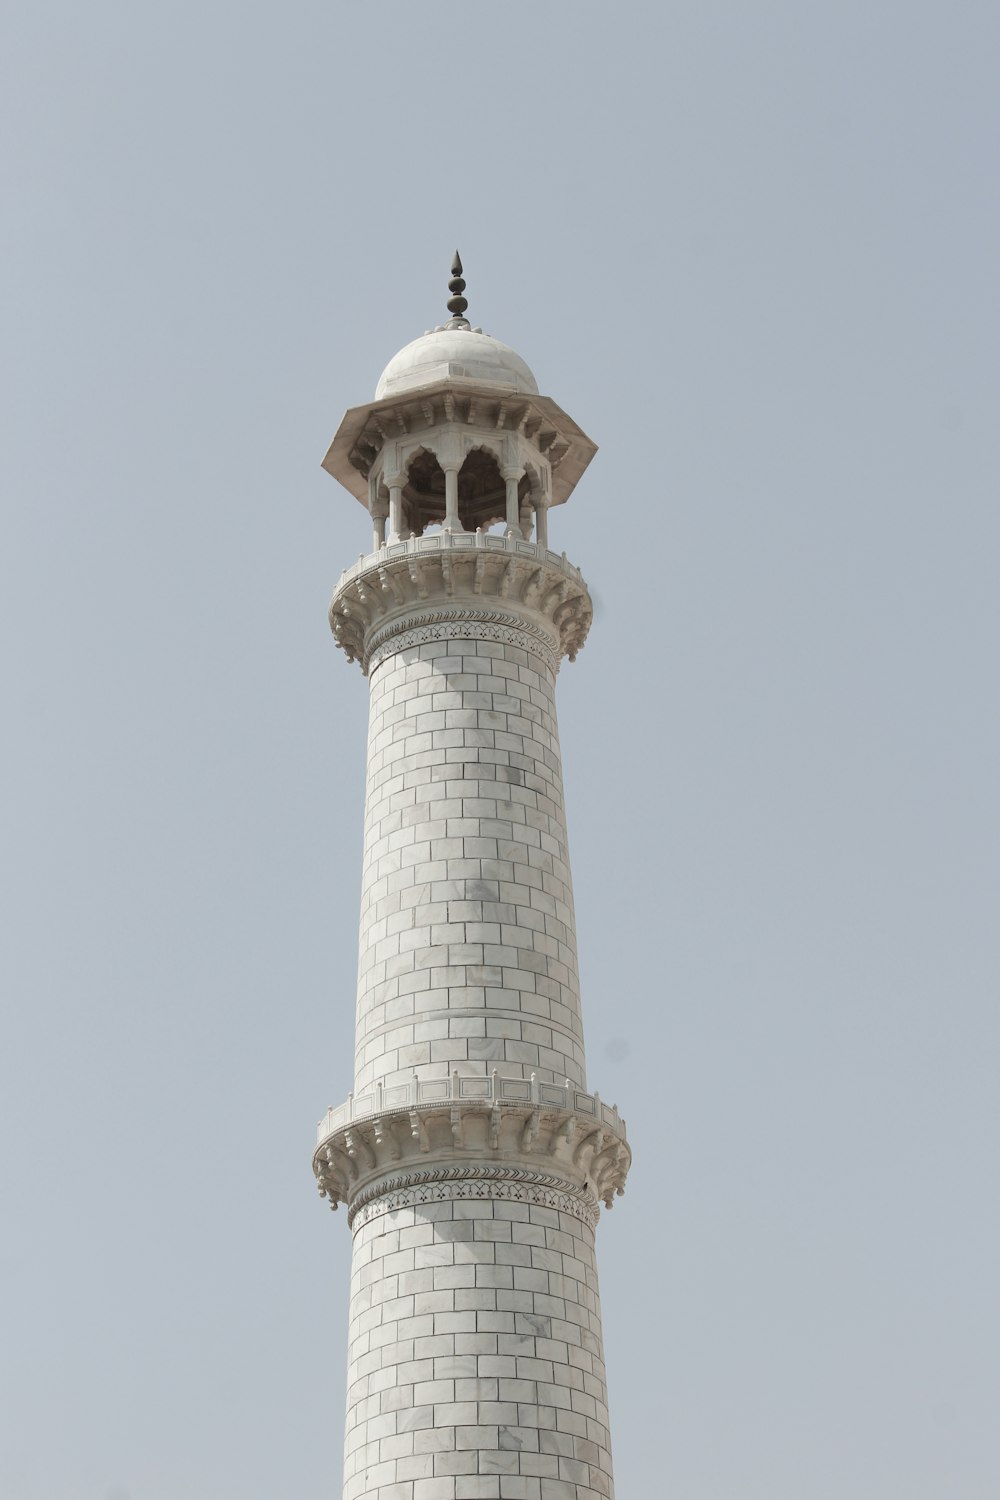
365 430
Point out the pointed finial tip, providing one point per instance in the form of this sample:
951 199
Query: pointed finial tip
457 303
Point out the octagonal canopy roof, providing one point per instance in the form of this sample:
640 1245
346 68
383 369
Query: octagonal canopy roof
458 374
456 354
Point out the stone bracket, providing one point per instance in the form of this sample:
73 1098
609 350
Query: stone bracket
460 584
461 1124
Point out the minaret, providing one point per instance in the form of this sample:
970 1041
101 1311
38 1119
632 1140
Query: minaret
472 1156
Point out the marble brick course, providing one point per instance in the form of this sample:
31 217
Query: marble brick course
467 952
475 1357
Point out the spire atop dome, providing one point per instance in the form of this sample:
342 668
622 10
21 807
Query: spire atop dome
457 304
454 392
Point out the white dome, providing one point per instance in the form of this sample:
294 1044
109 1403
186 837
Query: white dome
460 354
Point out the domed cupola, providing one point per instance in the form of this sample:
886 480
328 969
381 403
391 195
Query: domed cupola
462 355
459 437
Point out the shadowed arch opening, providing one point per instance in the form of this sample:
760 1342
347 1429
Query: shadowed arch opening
423 493
482 494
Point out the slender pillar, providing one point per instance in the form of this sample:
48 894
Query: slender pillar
378 514
396 509
451 520
542 523
512 478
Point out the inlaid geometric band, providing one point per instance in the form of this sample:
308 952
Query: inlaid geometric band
510 1184
506 632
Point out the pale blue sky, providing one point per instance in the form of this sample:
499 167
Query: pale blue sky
753 250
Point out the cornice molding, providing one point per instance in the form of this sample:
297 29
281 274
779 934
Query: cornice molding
468 585
509 1130
470 409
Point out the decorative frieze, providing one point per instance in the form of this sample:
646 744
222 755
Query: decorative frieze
455 1184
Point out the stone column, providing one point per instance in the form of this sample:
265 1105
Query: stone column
512 478
379 511
471 1155
542 522
451 520
396 508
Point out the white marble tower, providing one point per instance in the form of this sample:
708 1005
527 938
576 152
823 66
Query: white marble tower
471 1157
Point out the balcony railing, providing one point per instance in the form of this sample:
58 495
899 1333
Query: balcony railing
383 1099
461 541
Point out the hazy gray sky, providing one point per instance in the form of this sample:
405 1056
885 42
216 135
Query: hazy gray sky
753 250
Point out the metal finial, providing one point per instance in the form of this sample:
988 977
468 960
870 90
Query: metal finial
457 303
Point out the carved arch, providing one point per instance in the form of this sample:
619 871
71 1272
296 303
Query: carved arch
482 493
423 491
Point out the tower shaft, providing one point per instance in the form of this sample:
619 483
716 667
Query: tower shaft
471 1156
468 944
